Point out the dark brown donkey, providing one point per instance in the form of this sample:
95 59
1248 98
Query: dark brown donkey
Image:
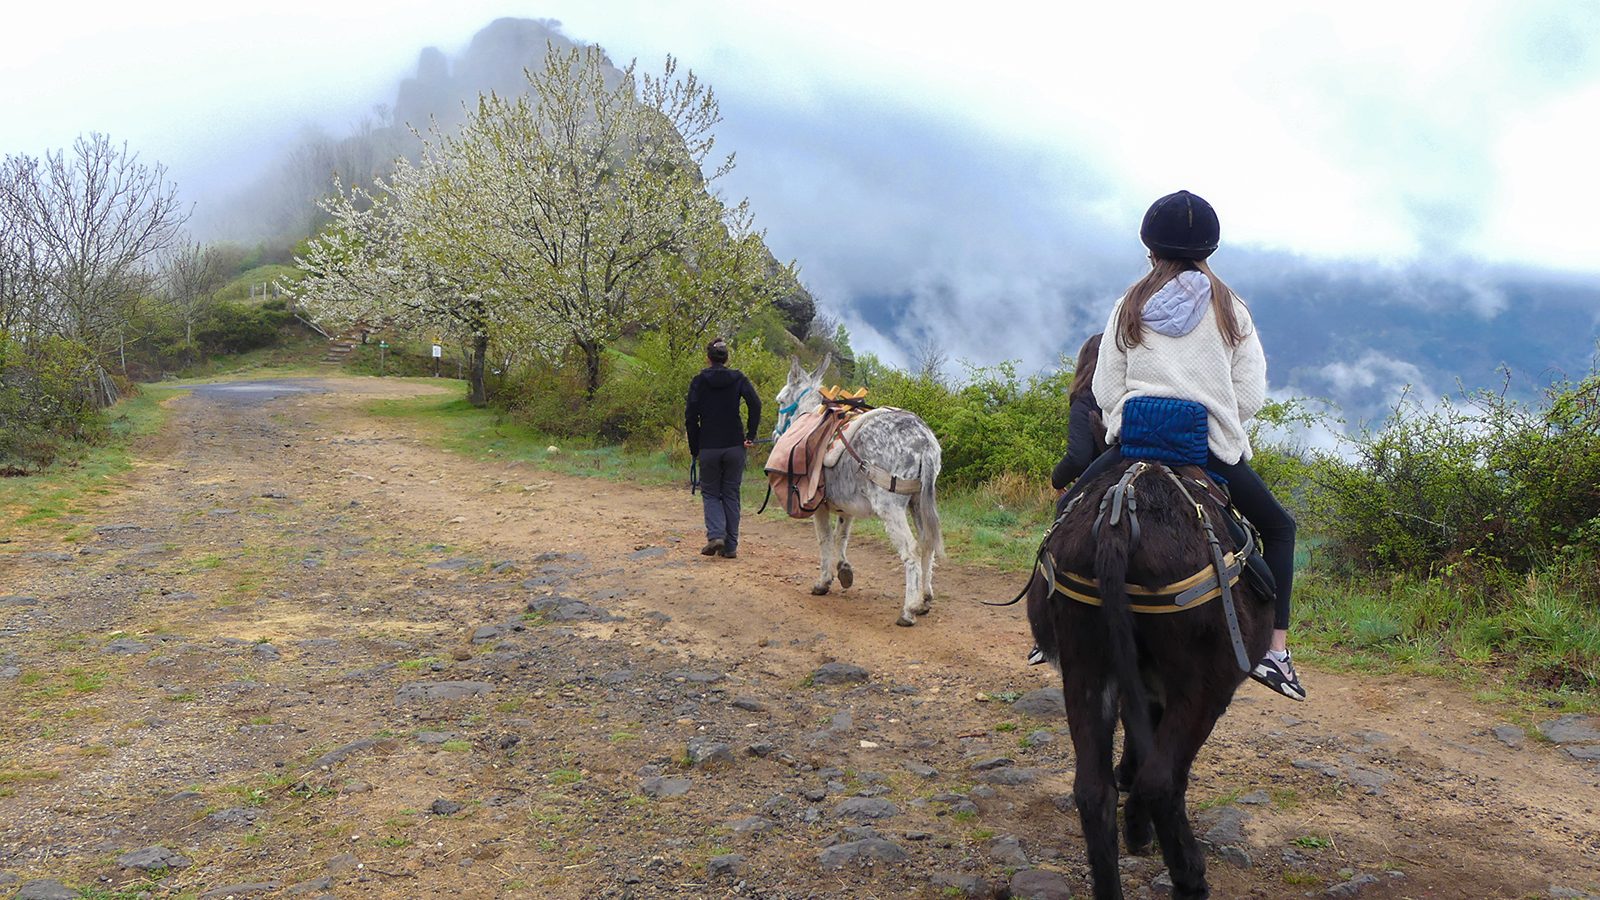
1168 674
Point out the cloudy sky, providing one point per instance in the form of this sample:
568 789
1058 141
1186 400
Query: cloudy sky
947 161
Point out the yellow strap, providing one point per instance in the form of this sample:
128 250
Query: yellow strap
1067 590
1177 587
1203 599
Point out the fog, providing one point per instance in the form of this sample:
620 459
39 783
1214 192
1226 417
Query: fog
1401 194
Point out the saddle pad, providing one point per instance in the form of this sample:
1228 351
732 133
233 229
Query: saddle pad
836 449
1165 429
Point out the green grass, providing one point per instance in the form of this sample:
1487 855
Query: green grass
26 775
238 289
456 425
1533 643
51 497
293 354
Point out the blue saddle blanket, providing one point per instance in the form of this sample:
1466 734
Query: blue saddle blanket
1165 429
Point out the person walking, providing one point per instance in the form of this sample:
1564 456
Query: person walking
711 421
1180 332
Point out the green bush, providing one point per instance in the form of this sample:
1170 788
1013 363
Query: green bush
1488 482
47 398
995 423
236 327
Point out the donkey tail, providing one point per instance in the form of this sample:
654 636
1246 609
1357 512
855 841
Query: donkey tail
1111 569
925 510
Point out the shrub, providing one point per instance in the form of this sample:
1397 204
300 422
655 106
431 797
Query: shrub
1485 482
48 396
236 327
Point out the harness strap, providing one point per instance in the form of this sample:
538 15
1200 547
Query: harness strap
877 474
1228 609
1188 593
1116 496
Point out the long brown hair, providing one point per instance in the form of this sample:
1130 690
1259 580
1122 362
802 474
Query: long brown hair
1083 372
1082 389
1130 321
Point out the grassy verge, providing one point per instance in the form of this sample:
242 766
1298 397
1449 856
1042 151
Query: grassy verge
295 354
49 498
1533 642
1537 647
454 424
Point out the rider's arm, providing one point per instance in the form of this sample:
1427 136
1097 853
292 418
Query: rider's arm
1249 369
1080 444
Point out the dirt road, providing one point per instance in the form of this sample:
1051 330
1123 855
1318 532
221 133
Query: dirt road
296 653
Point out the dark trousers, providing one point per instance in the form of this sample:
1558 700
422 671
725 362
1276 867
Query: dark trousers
721 472
1252 498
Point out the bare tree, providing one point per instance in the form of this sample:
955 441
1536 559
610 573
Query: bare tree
929 359
190 279
92 224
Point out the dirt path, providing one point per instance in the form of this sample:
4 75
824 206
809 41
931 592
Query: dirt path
304 655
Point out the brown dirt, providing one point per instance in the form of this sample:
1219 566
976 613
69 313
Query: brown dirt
366 559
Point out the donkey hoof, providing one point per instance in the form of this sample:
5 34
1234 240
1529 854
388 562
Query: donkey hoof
847 576
905 621
925 608
819 589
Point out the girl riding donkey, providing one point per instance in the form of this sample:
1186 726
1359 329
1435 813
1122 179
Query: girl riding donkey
1180 332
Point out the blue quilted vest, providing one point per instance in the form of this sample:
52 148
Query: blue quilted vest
1165 429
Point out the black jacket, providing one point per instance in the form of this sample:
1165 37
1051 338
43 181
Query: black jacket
1086 440
711 414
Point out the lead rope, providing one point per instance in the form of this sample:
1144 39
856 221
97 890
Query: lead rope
1123 486
1228 610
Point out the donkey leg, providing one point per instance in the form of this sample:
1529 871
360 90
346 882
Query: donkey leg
926 547
1091 717
1138 819
824 525
1162 786
898 528
847 575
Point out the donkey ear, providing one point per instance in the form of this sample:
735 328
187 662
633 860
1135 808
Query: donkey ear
827 360
796 372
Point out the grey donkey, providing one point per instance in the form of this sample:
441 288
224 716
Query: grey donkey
904 446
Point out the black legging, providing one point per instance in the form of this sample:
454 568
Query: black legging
1251 496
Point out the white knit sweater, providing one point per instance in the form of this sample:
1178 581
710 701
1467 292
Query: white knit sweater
1230 381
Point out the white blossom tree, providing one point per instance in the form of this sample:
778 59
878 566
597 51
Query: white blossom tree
552 222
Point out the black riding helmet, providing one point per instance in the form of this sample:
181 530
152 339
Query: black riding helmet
1180 226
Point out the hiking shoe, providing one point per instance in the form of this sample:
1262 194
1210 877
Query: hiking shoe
712 547
1280 676
729 553
1035 656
